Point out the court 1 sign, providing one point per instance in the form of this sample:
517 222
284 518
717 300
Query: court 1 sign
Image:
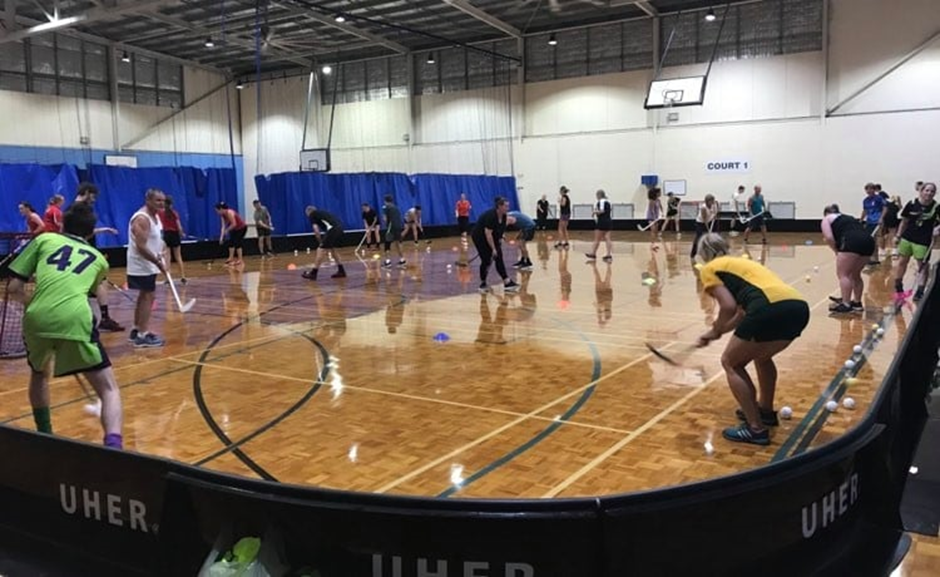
729 165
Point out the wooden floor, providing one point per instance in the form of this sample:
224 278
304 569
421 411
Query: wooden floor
411 382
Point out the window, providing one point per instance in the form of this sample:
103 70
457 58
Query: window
149 81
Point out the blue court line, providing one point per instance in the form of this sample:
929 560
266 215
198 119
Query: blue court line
595 374
835 388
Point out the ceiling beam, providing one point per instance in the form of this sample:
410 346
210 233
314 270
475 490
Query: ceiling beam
469 9
282 54
330 21
9 14
641 4
122 46
93 15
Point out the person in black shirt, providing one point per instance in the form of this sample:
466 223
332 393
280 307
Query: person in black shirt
564 215
541 213
602 224
486 235
919 225
890 221
854 246
672 211
329 232
370 219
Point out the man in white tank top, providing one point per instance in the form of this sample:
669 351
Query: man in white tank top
144 262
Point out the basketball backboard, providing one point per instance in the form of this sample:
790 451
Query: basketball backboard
315 160
689 91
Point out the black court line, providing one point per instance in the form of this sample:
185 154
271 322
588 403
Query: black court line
232 446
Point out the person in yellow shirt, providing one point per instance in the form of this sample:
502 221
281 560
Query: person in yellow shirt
766 315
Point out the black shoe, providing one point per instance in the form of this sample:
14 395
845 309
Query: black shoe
608 258
857 306
841 308
590 256
835 299
310 274
484 288
511 286
518 264
341 273
768 418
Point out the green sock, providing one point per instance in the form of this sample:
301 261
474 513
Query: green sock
43 420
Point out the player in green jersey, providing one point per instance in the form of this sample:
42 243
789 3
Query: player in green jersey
58 322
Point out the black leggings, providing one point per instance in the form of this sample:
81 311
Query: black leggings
486 258
700 230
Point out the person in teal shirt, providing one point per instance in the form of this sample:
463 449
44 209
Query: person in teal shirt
756 208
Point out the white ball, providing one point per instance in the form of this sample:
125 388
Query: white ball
857 349
786 413
880 332
848 403
831 406
850 364
815 269
709 448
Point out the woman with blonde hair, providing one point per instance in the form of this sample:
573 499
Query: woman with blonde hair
766 315
854 247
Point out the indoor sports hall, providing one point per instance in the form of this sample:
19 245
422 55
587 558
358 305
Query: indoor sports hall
394 288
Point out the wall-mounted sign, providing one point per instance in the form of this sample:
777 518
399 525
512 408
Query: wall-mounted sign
731 165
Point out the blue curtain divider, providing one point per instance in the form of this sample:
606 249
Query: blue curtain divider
194 190
287 194
35 184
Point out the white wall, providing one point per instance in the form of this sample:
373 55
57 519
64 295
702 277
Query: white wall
59 122
201 127
593 132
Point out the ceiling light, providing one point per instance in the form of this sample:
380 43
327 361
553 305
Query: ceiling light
209 42
710 15
340 18
125 57
552 41
239 85
327 69
431 58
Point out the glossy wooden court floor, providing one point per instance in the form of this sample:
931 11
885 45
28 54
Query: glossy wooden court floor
411 382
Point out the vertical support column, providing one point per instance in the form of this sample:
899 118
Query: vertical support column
653 117
413 111
520 43
823 114
115 99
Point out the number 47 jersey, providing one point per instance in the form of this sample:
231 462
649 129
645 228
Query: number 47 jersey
67 270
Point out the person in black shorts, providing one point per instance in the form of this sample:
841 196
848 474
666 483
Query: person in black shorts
890 221
765 315
370 220
541 213
329 232
391 214
564 215
88 193
602 224
853 244
672 211
486 236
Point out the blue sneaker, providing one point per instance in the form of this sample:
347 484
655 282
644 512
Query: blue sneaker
132 336
148 340
743 434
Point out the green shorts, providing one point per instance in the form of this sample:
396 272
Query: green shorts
908 248
70 356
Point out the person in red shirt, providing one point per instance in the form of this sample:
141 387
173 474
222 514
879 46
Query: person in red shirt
463 214
173 234
34 223
52 219
235 228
